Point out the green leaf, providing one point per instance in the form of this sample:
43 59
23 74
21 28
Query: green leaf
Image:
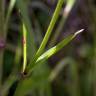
10 8
31 47
53 50
50 28
65 15
58 47
48 33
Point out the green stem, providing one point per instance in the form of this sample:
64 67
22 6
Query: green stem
68 8
48 33
24 48
50 28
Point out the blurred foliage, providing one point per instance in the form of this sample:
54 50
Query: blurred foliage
71 72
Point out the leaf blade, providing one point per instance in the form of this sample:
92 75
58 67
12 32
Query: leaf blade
53 50
59 46
31 47
50 28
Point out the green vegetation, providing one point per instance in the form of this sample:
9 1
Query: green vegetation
25 69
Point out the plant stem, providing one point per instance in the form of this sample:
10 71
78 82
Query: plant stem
50 28
24 48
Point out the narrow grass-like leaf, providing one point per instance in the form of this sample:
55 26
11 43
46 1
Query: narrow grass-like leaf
67 9
31 47
50 28
10 8
2 37
69 6
54 50
48 33
59 67
8 83
58 47
24 48
74 89
40 5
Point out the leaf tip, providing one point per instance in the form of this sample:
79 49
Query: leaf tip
78 32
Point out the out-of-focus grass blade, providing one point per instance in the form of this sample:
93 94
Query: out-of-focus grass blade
8 83
17 59
2 38
37 30
13 77
24 87
31 47
58 47
69 6
10 8
73 88
40 5
59 67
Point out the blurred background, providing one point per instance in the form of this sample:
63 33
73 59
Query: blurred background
71 71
